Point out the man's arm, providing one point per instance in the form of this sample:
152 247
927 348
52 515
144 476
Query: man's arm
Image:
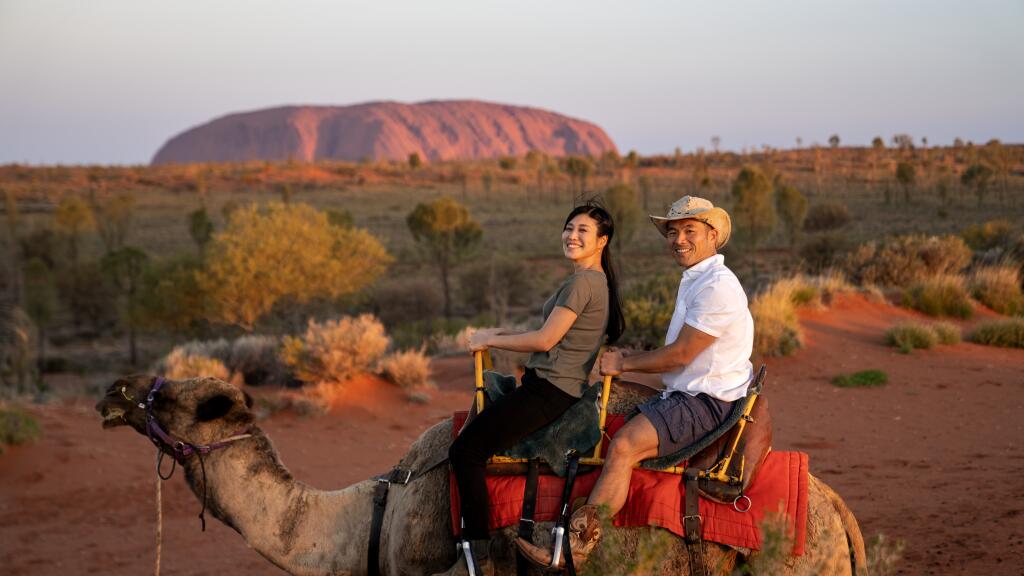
687 346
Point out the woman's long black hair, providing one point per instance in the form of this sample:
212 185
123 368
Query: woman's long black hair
605 227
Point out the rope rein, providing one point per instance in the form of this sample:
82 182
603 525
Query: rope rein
159 526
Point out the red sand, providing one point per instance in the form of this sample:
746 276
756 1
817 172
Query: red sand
934 458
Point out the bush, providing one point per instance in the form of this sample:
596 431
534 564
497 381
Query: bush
776 330
991 234
181 364
826 217
862 379
647 309
998 287
903 259
401 300
825 251
947 333
939 296
910 335
409 369
257 359
16 427
335 350
1008 332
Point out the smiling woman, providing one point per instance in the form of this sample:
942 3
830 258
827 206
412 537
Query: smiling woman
579 318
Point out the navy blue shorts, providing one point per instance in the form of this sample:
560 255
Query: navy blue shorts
682 419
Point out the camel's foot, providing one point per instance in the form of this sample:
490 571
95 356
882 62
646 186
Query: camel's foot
584 534
479 556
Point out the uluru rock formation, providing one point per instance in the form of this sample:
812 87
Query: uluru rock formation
437 130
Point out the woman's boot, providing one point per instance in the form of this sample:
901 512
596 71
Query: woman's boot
584 534
479 555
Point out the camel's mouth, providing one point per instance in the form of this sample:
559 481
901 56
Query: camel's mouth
113 417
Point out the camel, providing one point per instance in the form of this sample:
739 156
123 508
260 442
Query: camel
306 531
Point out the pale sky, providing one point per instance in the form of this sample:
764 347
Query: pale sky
108 81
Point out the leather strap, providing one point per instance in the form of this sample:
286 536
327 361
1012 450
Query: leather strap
526 518
692 523
573 458
401 476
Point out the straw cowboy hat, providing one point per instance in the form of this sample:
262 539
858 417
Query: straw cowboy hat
692 207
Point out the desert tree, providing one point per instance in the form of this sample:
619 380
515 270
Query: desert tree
999 159
716 141
71 219
753 210
40 303
791 206
114 217
125 267
487 179
978 176
906 175
833 141
448 234
578 170
415 161
904 142
646 187
284 253
200 228
621 202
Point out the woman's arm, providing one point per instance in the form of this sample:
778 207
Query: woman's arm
542 340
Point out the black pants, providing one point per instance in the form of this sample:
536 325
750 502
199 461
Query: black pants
504 423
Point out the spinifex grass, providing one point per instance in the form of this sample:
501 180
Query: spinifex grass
862 379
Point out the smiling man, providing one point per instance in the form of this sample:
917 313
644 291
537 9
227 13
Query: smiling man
705 366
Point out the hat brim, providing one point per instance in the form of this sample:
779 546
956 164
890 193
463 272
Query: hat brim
715 218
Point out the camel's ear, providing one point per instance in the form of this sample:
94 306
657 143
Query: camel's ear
213 408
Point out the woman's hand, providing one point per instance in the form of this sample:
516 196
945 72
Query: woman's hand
611 362
480 340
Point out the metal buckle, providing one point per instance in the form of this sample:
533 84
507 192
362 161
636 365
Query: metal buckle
530 520
405 480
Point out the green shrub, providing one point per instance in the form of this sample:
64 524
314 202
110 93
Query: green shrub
647 308
991 234
335 350
16 427
256 357
903 259
1008 332
939 296
824 217
910 335
824 251
862 379
998 287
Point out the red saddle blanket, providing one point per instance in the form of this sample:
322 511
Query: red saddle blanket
656 499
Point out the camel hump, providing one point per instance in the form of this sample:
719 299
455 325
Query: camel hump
626 396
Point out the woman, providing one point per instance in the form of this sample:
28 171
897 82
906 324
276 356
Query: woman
578 318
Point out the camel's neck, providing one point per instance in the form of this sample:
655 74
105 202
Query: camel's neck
301 529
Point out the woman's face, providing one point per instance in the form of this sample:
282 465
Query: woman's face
580 241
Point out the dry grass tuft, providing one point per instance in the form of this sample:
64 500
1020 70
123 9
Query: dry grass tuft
776 330
1008 332
335 350
185 362
998 287
943 295
903 259
910 335
16 427
409 369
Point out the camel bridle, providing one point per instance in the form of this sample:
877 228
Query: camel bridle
180 449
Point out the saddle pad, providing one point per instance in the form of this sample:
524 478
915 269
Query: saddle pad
656 499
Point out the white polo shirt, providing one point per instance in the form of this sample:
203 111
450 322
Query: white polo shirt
711 299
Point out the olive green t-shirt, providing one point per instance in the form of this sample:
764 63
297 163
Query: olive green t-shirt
568 364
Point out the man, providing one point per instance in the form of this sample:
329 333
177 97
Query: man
705 366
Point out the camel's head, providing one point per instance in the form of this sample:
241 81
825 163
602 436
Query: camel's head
198 410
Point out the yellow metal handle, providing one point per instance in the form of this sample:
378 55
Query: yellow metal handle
478 368
606 390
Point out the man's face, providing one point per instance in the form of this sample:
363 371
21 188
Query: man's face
690 241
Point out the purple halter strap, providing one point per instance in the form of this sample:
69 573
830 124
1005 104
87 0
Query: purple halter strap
180 449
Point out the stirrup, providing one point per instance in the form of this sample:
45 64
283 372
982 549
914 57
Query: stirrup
467 553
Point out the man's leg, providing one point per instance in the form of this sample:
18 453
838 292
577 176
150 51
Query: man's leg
636 441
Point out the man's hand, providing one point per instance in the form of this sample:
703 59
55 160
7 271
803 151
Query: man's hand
611 363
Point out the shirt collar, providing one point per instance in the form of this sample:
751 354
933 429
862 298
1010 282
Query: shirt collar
703 266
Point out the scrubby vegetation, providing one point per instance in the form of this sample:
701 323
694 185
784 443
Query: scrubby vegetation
943 295
776 330
862 379
998 287
335 350
16 427
905 259
911 335
1008 332
409 369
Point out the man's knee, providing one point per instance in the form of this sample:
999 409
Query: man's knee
634 442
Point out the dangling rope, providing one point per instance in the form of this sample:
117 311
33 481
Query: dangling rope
159 526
